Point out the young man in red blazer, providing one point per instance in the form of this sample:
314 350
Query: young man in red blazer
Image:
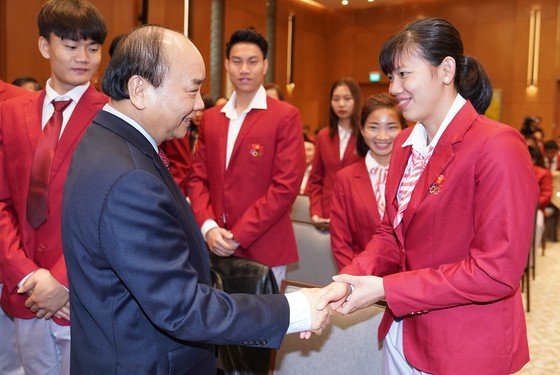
9 361
249 164
35 279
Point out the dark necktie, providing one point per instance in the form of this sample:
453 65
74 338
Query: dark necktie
41 167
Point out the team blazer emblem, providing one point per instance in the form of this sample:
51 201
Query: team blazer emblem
256 150
437 185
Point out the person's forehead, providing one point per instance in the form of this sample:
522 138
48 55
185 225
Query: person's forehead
246 50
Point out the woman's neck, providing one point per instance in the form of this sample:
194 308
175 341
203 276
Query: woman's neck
345 123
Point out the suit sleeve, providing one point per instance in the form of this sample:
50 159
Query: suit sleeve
341 236
144 240
504 204
315 183
288 170
15 263
199 191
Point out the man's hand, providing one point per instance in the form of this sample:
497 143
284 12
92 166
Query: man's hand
366 291
220 241
47 296
320 318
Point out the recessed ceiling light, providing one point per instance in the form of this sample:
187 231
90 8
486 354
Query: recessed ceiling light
344 2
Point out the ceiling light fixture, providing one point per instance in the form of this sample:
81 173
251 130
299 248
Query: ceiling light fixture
344 2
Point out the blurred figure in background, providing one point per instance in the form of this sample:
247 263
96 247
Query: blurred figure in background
28 83
335 146
358 200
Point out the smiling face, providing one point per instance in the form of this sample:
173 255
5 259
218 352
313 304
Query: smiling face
342 102
171 106
379 132
425 92
73 63
246 67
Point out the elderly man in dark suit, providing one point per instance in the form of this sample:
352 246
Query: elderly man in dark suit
138 266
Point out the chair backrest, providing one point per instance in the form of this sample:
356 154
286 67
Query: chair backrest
316 263
348 346
300 208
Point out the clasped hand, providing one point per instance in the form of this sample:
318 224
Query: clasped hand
46 296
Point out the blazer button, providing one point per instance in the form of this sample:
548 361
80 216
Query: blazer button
41 248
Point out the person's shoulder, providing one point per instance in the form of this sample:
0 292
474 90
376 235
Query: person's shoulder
8 91
351 170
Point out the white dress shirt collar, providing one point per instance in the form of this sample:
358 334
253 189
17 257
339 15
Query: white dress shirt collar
419 135
134 124
258 102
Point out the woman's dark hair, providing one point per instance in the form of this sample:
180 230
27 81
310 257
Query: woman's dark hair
537 156
71 19
139 53
372 104
356 95
275 87
247 36
434 39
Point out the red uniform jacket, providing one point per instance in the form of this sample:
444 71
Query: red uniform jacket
325 165
22 248
354 214
544 178
8 91
180 161
255 194
452 268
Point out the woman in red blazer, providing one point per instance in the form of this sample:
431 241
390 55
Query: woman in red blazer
334 146
358 199
453 244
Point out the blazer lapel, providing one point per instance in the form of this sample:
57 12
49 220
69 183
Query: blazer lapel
442 156
81 117
365 190
250 120
397 166
32 110
349 151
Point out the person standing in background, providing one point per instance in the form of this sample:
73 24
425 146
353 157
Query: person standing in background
358 199
38 134
334 146
249 164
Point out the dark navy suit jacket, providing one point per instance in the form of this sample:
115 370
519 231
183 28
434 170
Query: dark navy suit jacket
141 301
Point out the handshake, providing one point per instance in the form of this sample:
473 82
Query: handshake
345 295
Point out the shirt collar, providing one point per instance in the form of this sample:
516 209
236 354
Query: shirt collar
134 124
418 136
258 102
372 163
75 94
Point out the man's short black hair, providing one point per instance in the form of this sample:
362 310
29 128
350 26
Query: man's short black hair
71 19
247 36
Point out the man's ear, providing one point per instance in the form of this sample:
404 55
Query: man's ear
265 62
44 47
137 91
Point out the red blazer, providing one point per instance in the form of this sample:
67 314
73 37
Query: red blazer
325 165
354 215
544 178
452 269
23 249
257 191
180 161
7 91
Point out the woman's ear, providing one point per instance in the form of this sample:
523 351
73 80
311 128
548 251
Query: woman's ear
447 67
